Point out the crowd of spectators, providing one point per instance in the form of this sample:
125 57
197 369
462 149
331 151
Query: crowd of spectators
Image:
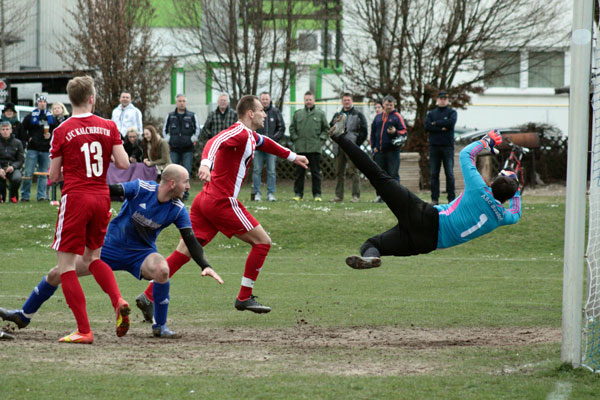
24 152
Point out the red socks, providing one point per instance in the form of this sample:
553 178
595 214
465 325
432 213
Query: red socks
176 260
254 263
75 299
105 277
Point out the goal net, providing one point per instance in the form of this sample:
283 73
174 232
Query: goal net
591 329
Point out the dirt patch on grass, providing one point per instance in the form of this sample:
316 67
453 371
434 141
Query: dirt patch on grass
552 189
359 351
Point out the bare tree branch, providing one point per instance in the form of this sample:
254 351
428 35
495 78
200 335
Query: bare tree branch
114 39
413 48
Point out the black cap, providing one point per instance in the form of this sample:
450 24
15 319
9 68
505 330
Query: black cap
442 93
9 106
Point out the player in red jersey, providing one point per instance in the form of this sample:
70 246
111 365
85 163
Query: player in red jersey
81 151
216 208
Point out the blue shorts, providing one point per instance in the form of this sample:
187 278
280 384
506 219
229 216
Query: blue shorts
125 260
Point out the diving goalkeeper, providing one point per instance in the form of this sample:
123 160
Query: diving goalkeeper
423 227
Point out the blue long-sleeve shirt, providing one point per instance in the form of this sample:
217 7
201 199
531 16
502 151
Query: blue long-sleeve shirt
475 212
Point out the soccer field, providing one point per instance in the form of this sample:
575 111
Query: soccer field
478 321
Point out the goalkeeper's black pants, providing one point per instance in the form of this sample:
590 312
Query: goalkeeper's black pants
418 221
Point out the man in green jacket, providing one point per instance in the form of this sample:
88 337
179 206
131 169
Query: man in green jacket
308 132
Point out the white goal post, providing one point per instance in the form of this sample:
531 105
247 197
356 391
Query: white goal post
581 45
591 330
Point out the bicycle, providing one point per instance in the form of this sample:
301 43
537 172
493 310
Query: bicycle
514 161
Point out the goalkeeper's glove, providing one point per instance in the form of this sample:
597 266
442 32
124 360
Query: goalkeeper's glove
491 140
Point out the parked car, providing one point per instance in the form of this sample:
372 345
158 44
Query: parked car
22 111
469 135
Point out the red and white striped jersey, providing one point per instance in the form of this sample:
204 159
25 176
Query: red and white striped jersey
229 154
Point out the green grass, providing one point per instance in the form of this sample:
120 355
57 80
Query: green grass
479 321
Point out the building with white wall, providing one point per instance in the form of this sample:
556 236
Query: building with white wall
523 97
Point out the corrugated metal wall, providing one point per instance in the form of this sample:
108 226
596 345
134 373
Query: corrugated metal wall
52 27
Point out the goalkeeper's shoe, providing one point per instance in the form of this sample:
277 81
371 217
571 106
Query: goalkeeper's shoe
6 336
146 306
358 262
76 337
122 312
15 316
251 304
163 331
339 126
491 140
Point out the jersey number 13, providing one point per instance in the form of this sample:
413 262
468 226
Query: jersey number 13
93 158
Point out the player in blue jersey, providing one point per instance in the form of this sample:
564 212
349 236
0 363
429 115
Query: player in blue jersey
423 227
130 244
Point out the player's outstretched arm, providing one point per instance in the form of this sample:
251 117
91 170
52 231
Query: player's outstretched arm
120 156
301 161
204 173
116 190
197 253
208 271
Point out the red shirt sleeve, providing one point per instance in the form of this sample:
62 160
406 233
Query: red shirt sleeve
56 143
115 135
270 146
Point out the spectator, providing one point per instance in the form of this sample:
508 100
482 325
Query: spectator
439 123
378 107
180 131
9 113
133 145
127 115
11 161
385 129
59 113
219 119
37 130
156 150
356 130
274 129
308 132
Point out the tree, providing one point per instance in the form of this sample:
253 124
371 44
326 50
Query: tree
245 45
113 38
12 15
413 48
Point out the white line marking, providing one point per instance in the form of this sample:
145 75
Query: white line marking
561 391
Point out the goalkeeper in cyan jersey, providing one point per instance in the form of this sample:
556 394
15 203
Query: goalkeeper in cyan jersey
423 227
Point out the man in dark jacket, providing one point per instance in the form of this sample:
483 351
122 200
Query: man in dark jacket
274 129
439 123
181 131
356 130
11 161
133 146
386 130
37 130
9 113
